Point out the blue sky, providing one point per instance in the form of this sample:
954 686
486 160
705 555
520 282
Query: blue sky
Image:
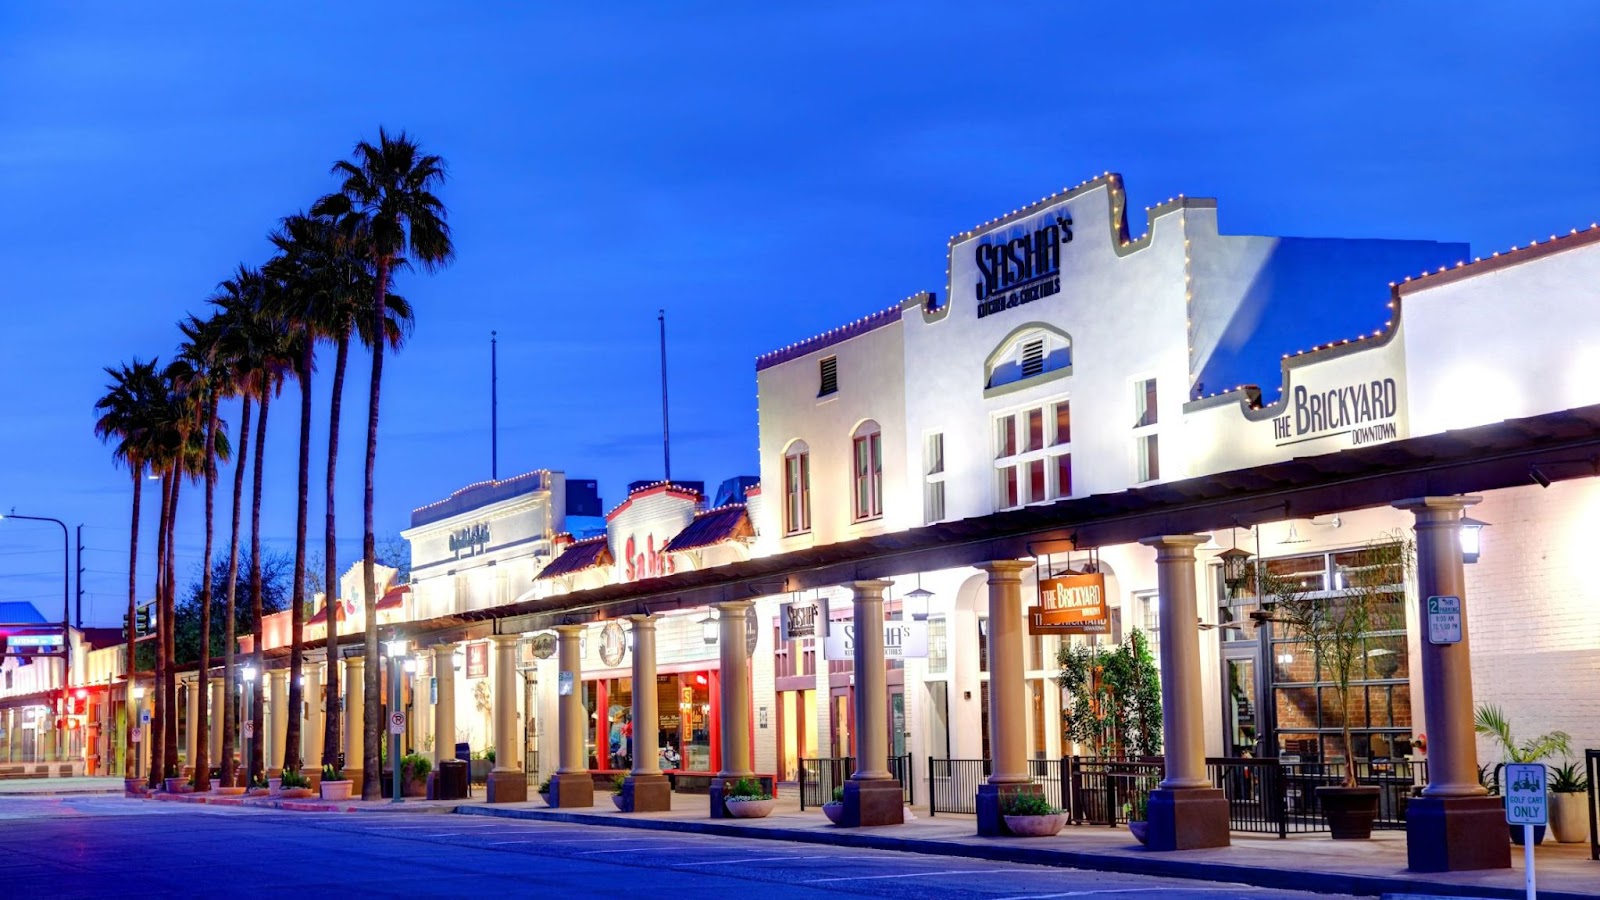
762 171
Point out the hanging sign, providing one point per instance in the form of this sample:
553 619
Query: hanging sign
613 643
478 660
902 639
1444 620
1071 604
752 630
544 645
802 619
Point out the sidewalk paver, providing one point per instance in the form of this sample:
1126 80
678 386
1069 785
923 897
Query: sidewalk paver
10 787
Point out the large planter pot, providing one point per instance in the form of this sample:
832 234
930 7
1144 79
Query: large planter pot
259 792
336 790
416 787
296 793
1036 826
1569 818
274 787
1140 831
1350 811
545 796
616 800
750 809
834 810
230 792
133 785
177 785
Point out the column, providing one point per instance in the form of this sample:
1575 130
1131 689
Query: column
572 784
1454 825
311 728
444 710
1185 812
872 796
507 782
354 685
646 789
214 728
733 702
277 719
1008 733
191 690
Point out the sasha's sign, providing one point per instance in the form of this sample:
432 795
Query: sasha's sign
802 619
1071 604
645 560
902 639
1365 411
470 540
1021 269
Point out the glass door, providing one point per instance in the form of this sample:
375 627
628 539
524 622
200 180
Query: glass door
842 715
1241 728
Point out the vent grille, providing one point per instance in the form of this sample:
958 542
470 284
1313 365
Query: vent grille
830 377
1032 359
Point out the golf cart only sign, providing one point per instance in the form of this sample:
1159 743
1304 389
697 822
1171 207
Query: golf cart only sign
1527 802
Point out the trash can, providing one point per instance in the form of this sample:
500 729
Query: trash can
450 782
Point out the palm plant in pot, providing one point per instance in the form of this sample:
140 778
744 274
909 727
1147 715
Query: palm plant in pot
293 785
747 799
1031 815
834 809
1569 804
1491 722
1343 630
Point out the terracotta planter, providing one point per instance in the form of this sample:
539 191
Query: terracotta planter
259 792
1140 831
416 787
296 793
750 809
177 785
617 800
1350 811
133 786
230 792
274 786
834 810
1569 818
336 790
1036 826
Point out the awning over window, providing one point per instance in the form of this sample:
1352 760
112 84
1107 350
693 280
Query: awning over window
713 527
585 554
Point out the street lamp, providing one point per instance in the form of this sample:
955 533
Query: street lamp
708 629
917 601
1471 538
66 584
397 650
249 673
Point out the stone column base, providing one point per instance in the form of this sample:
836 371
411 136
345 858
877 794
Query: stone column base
571 789
507 786
646 793
1190 819
879 801
1454 834
991 802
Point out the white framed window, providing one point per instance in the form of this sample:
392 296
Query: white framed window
867 471
933 478
797 488
1033 454
1146 440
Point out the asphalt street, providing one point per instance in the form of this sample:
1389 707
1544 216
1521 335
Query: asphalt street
113 847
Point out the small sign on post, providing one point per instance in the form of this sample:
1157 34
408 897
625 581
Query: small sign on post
136 735
1444 620
397 722
1527 804
564 684
249 728
144 717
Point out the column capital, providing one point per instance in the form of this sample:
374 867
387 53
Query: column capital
871 588
502 640
571 631
443 651
1437 509
734 606
642 621
355 662
1175 545
1005 569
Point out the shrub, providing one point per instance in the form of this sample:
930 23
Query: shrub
838 794
1568 779
293 779
544 786
617 782
331 772
747 789
1029 805
414 766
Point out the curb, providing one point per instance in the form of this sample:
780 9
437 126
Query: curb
1316 882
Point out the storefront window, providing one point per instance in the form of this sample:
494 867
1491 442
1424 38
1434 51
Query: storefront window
938 646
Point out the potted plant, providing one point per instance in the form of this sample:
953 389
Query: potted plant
746 799
175 783
1031 815
414 769
293 786
544 792
1490 721
1341 632
334 785
1569 804
617 782
834 809
259 787
1137 811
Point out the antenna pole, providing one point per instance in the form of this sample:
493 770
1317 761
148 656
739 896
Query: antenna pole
666 431
494 406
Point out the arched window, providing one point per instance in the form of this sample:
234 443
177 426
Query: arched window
796 488
867 471
1033 352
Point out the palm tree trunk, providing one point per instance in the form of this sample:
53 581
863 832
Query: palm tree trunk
208 468
169 603
297 614
258 747
131 666
158 691
330 555
373 722
230 711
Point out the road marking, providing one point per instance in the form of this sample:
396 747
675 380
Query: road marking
729 862
640 849
1164 889
904 875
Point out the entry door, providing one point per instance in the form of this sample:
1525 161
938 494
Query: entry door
897 722
841 702
1241 708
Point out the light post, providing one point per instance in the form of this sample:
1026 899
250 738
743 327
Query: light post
66 585
249 673
397 650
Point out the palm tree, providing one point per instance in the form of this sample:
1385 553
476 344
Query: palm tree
386 204
125 418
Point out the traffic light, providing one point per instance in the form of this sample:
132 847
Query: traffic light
141 620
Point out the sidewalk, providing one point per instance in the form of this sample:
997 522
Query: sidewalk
23 787
316 804
1308 862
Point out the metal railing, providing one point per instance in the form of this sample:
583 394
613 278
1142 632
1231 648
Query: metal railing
1102 791
953 785
819 777
1592 763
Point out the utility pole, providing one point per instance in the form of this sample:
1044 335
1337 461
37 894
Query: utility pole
494 409
79 615
666 432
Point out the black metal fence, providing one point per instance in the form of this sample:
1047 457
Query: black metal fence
818 778
1265 796
1592 761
